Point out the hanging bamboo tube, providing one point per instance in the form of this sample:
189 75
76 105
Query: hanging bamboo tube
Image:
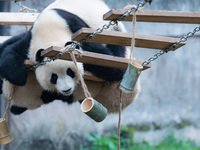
94 109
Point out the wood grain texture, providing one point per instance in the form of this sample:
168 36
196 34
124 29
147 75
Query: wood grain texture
156 16
18 18
87 75
93 58
122 38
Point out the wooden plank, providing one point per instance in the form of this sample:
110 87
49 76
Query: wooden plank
18 18
93 58
121 38
156 16
87 75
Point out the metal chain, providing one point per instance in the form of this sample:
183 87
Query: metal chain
86 39
173 46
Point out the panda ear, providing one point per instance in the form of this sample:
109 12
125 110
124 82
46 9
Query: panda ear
70 42
38 55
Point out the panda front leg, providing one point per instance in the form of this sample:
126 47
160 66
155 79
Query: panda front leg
49 96
106 73
12 60
17 110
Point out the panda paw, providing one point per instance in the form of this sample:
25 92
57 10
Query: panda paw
16 110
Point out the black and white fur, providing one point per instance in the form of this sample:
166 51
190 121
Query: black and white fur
54 27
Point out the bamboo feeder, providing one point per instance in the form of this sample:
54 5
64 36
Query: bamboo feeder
130 77
134 69
94 109
5 134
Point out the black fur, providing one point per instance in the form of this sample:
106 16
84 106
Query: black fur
39 58
49 96
1 85
54 78
109 74
12 59
17 110
70 73
11 41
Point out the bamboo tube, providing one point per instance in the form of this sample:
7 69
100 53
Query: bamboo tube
5 134
94 109
130 77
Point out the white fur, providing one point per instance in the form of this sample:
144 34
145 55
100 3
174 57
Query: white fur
51 30
64 82
27 96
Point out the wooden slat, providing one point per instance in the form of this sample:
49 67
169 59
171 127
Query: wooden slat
87 75
157 16
121 38
18 18
93 58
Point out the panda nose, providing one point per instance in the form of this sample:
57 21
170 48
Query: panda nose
65 91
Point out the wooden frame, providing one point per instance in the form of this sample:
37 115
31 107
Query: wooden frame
121 38
18 18
93 58
156 16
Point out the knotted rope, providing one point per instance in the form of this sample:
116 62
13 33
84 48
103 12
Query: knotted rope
26 9
6 114
71 52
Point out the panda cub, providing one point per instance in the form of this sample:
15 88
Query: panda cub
58 79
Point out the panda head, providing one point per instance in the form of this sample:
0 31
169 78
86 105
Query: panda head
59 76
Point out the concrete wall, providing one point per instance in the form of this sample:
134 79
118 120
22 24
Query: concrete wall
169 97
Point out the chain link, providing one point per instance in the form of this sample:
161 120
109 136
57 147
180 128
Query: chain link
173 46
85 40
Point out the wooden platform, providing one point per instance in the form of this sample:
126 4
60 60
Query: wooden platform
90 58
18 18
157 16
93 58
121 38
87 75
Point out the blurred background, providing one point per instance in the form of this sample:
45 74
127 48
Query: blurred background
168 103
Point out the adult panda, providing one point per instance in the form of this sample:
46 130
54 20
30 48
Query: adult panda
54 26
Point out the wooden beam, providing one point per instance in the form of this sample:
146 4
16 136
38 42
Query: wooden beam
121 38
156 16
87 75
18 18
93 58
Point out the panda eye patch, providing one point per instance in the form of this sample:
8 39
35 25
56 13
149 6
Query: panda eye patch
70 73
54 78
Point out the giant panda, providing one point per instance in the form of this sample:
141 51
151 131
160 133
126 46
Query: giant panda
54 27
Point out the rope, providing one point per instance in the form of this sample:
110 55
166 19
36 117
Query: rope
119 122
6 114
133 37
26 9
85 89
